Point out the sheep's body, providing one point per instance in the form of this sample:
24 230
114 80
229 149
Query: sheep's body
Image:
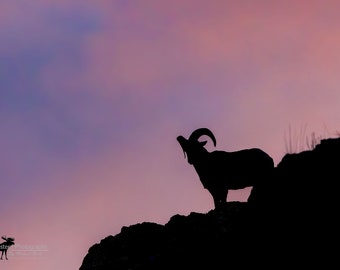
220 171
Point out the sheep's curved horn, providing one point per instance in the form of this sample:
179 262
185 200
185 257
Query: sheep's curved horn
200 132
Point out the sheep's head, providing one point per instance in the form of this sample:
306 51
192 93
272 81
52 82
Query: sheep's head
194 148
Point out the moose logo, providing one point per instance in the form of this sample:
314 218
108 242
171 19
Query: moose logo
4 246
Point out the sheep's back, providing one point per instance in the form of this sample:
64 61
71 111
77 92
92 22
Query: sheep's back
240 169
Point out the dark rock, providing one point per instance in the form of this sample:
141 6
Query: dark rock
289 222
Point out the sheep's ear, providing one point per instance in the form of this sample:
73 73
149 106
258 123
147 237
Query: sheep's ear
203 143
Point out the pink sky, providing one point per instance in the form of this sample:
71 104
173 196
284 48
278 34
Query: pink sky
94 93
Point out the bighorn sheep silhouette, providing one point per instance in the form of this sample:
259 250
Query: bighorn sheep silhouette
220 171
5 245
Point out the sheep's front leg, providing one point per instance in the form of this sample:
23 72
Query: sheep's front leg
220 197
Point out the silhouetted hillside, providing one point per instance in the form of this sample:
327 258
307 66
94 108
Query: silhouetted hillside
290 222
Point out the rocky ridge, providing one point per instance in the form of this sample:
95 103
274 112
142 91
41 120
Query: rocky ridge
290 221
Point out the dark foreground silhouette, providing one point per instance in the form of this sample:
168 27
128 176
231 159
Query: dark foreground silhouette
291 222
220 171
4 246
